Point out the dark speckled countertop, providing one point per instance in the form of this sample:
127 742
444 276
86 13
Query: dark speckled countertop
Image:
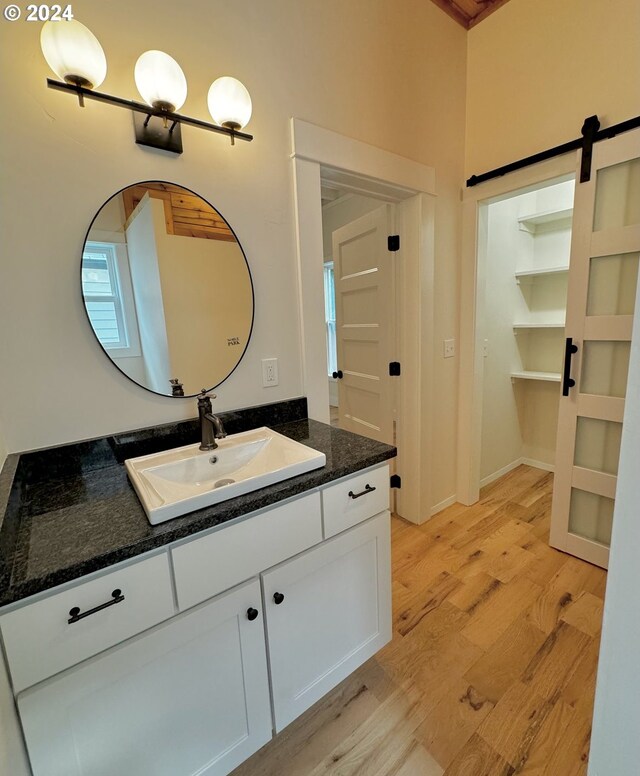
70 510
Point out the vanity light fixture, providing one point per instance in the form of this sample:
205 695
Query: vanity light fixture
229 103
76 56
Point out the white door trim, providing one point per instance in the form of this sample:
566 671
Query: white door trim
474 212
382 174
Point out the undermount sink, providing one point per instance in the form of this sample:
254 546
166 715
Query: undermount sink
175 482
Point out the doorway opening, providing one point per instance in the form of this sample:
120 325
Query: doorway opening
405 192
360 316
524 251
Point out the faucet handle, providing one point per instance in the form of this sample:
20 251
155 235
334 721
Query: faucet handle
204 393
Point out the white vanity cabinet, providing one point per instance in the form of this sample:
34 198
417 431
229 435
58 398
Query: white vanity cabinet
270 613
327 611
190 696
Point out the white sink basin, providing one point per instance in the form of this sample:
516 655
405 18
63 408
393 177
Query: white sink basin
175 482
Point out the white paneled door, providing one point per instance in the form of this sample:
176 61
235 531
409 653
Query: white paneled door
603 279
365 317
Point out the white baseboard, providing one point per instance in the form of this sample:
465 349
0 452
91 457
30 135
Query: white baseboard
501 472
443 505
547 467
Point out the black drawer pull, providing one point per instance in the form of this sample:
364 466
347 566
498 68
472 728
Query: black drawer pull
367 489
75 614
278 598
252 613
337 375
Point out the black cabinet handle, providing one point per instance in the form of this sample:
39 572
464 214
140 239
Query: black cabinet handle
337 375
367 489
252 613
278 598
76 616
567 381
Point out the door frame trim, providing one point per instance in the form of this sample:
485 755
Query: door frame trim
317 153
474 234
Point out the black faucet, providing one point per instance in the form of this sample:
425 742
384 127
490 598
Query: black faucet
211 427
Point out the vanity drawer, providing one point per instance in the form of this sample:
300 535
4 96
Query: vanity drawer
39 640
354 500
205 567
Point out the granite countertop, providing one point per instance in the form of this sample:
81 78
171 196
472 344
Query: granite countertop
71 510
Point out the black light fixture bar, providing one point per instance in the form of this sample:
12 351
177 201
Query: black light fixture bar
585 142
139 107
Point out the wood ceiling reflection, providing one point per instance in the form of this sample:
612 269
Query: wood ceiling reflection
468 13
185 214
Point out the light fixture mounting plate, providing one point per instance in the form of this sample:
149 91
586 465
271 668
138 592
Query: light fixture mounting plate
151 131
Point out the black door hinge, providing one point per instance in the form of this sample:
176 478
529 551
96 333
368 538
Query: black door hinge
394 369
395 481
393 242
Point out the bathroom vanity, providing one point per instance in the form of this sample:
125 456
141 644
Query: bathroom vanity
182 648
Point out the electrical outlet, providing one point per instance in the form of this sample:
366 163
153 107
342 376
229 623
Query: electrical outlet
449 348
269 372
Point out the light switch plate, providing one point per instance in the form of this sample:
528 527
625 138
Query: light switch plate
269 372
449 349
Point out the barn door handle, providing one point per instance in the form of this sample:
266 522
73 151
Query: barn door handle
75 614
567 381
337 375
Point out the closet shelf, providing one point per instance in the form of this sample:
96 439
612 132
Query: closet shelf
556 325
531 274
546 221
548 377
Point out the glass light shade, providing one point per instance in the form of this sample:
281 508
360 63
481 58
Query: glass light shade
73 53
160 81
229 103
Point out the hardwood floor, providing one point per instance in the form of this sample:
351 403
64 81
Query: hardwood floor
491 670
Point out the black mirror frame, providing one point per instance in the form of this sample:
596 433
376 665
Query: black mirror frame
244 256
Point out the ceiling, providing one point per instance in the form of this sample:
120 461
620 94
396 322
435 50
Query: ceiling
469 12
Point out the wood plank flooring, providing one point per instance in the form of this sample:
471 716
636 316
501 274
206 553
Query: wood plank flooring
491 670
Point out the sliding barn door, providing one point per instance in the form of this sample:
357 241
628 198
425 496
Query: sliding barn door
603 277
365 315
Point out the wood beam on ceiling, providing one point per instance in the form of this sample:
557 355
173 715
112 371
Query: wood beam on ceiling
468 13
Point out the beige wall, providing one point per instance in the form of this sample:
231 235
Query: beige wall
537 68
3 449
340 212
386 72
207 299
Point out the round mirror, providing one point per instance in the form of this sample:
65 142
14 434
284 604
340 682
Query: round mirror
167 289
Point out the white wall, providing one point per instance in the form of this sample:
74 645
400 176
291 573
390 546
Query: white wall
519 419
507 249
615 744
361 68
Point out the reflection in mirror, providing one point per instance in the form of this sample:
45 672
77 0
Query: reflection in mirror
167 289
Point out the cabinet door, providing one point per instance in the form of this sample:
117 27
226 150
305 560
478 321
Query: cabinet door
334 612
188 697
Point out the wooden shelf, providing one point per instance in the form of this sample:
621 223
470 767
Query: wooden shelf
557 325
532 274
547 377
546 221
